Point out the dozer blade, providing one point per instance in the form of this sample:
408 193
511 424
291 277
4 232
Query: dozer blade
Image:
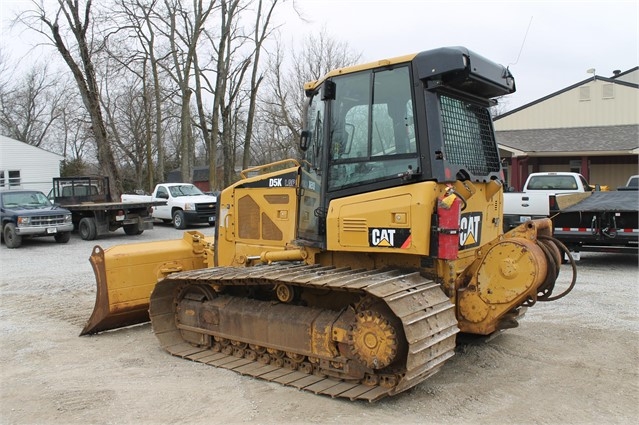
126 275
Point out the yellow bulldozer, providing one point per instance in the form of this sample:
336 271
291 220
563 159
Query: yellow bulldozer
350 272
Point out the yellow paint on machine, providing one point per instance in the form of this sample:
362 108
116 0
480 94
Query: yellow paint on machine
126 275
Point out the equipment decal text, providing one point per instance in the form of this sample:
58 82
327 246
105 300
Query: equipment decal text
388 237
470 230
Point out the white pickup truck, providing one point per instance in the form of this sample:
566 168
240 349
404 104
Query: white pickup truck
534 201
185 204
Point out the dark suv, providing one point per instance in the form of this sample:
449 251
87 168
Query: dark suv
27 213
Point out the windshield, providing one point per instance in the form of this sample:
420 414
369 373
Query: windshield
25 200
372 128
552 182
185 190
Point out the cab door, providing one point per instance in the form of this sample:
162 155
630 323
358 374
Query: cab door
311 221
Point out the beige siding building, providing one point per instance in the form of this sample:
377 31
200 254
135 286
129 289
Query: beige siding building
591 127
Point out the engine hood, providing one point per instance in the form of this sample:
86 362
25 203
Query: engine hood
197 199
40 211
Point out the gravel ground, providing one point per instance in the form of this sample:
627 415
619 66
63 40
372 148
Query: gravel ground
571 361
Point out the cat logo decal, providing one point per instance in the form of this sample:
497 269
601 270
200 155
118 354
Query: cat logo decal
470 230
389 238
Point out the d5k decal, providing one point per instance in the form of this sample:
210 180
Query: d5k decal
470 230
389 238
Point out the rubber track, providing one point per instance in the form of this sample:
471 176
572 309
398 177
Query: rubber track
426 313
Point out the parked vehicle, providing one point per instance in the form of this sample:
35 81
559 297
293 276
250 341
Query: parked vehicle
631 184
597 221
94 213
183 204
584 218
28 213
534 201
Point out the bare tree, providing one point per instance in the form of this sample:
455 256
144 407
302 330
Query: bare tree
234 99
132 45
78 52
159 56
127 121
73 129
228 14
230 115
283 103
261 32
272 143
501 107
5 74
30 105
210 143
74 132
184 30
229 10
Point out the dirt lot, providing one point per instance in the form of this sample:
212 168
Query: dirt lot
572 361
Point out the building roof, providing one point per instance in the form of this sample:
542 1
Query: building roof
605 140
618 74
615 79
7 143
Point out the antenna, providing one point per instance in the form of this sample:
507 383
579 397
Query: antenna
522 43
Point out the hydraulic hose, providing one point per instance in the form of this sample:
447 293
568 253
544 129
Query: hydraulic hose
549 284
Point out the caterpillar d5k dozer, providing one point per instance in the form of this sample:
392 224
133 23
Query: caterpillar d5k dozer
350 272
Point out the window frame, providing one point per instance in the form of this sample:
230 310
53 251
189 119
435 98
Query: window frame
370 164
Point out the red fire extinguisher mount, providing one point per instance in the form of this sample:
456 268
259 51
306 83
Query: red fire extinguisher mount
448 218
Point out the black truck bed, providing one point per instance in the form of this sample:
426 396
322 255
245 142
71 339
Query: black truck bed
607 201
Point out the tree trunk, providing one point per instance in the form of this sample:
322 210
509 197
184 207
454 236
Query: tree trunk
261 33
87 84
186 135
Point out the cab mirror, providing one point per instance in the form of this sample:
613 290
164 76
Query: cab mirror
304 140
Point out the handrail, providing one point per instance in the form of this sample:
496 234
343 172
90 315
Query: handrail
294 163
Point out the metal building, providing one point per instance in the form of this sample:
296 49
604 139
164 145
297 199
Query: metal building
591 127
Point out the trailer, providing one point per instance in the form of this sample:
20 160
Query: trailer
534 200
93 211
597 221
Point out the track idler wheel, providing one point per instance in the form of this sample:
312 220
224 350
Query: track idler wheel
373 339
285 293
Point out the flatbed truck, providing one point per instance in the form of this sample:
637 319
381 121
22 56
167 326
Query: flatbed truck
94 213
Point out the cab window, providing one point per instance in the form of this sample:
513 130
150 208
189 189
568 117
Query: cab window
372 129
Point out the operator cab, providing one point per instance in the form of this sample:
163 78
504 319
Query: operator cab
394 122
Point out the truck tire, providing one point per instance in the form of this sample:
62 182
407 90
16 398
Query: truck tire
179 222
11 238
87 229
132 229
62 237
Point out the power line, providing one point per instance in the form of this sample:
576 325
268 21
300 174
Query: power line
522 43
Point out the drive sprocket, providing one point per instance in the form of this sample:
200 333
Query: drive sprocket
373 339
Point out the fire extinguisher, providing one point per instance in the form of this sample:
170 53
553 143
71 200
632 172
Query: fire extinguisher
448 217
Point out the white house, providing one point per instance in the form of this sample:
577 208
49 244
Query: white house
23 166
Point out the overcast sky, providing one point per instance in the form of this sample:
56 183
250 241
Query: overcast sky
558 40
548 45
